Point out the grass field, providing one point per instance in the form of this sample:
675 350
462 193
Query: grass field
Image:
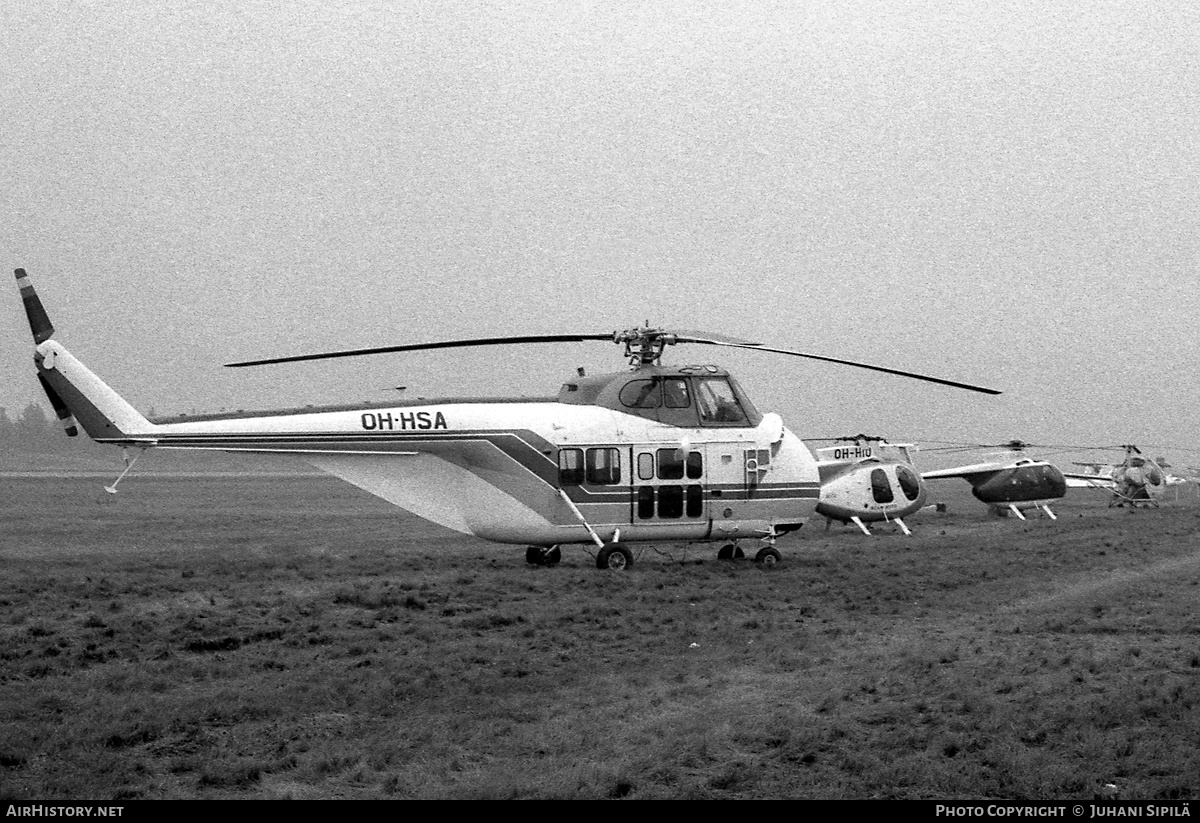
292 637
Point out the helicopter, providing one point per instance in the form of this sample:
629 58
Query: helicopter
1138 480
653 454
867 479
1009 484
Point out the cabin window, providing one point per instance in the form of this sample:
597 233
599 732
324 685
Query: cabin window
670 465
676 394
881 489
695 465
603 466
570 467
645 502
645 466
670 501
718 403
640 394
675 501
910 484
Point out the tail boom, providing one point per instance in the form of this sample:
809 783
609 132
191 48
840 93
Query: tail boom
104 414
75 392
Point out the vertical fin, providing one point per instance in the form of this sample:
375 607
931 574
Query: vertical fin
75 392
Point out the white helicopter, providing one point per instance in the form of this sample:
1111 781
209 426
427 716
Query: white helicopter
868 480
654 454
1008 483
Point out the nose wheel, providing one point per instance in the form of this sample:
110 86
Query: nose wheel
768 556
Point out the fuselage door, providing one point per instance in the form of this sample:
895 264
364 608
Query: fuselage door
668 484
727 475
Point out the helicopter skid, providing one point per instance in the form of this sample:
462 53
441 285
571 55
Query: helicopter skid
1019 508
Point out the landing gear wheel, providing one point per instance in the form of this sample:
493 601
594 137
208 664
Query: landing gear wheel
614 556
768 556
552 556
730 551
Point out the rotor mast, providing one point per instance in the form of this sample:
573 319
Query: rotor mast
644 346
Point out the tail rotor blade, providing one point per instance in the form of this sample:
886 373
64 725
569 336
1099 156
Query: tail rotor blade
60 408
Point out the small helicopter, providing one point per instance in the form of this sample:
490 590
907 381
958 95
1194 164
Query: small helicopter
868 480
1137 481
1010 484
654 454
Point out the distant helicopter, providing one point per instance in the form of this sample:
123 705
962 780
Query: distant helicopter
1137 481
1010 484
868 480
654 454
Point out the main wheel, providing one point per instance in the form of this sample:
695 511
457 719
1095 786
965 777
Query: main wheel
614 556
730 551
768 556
552 556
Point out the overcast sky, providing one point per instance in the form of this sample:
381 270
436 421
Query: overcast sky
1004 193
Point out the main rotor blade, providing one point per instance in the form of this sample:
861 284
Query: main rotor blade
693 336
913 375
447 344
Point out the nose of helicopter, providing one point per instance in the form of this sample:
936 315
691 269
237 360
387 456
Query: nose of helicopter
1054 481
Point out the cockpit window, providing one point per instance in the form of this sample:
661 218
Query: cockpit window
881 489
641 394
910 484
675 392
718 403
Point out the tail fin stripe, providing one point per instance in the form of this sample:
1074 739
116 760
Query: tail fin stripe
39 321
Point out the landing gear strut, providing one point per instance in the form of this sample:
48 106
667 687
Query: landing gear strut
769 555
730 551
542 556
